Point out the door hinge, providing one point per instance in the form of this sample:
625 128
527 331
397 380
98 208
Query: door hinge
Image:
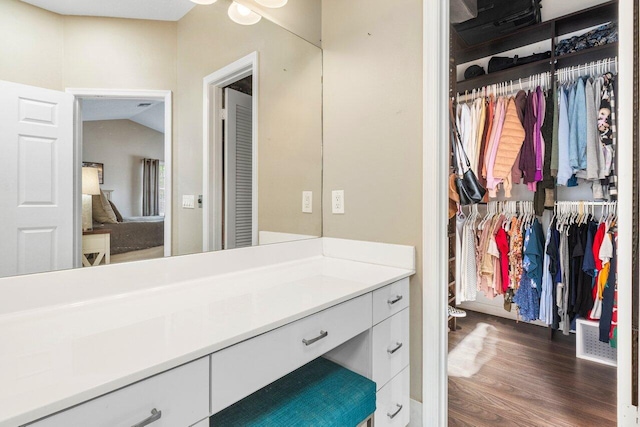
223 114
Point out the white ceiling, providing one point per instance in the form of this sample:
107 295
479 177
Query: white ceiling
160 10
125 109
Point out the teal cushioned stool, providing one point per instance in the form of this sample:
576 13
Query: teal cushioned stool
321 393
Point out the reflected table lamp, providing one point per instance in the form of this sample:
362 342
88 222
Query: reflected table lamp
90 188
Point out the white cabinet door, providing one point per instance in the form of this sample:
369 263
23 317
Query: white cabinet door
244 368
390 349
393 402
179 397
36 180
390 300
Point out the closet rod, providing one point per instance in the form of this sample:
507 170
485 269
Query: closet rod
507 88
584 203
590 68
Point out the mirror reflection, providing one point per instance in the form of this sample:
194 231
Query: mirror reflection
132 133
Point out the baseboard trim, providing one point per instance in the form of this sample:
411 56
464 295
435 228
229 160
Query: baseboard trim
415 419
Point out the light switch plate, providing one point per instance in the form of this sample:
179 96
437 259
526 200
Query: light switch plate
307 202
188 201
337 201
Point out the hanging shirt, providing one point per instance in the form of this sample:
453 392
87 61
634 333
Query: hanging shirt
578 129
556 122
540 105
521 102
494 142
564 167
503 246
546 299
528 153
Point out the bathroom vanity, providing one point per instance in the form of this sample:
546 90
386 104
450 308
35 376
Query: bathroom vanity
170 342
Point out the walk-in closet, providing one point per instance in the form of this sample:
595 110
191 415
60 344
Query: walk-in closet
533 238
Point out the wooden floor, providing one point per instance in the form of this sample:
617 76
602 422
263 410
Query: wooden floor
141 255
531 381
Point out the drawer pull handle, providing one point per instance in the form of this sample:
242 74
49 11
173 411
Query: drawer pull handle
395 300
155 416
323 334
392 416
398 347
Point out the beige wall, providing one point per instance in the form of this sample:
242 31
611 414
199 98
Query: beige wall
289 128
301 17
112 53
373 131
31 45
121 145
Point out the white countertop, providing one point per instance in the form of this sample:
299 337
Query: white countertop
52 358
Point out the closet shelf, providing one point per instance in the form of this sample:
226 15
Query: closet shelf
547 30
588 55
569 60
504 75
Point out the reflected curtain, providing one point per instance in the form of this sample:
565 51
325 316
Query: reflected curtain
150 187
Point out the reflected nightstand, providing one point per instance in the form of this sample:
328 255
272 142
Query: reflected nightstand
96 242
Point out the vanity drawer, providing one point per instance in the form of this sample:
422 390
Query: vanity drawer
390 347
242 369
390 300
393 402
180 396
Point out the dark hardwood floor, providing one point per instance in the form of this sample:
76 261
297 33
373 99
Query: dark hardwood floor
530 380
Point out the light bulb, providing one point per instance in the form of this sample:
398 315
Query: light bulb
243 10
243 15
272 3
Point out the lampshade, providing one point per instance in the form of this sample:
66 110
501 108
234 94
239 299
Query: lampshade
272 3
204 1
243 15
90 181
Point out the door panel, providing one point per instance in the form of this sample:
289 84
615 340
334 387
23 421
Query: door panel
239 191
36 179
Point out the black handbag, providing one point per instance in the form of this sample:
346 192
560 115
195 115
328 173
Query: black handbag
469 189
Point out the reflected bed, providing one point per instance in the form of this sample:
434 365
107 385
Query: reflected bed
135 233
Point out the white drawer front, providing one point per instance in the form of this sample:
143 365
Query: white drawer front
393 402
390 347
390 300
242 369
181 396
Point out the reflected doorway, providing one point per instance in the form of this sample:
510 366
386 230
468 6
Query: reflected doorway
230 153
237 166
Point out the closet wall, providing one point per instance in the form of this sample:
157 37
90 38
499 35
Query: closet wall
550 10
373 132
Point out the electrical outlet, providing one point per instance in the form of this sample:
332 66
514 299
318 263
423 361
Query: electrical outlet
337 201
307 202
188 201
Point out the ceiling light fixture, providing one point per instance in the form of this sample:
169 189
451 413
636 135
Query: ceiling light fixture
243 15
272 3
206 2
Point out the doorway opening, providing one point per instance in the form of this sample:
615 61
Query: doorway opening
519 261
230 187
127 137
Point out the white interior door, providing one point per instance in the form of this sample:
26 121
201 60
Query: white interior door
238 149
36 180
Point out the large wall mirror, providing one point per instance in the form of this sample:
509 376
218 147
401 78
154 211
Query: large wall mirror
137 131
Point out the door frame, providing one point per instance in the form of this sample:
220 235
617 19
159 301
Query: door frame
435 188
165 96
212 141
